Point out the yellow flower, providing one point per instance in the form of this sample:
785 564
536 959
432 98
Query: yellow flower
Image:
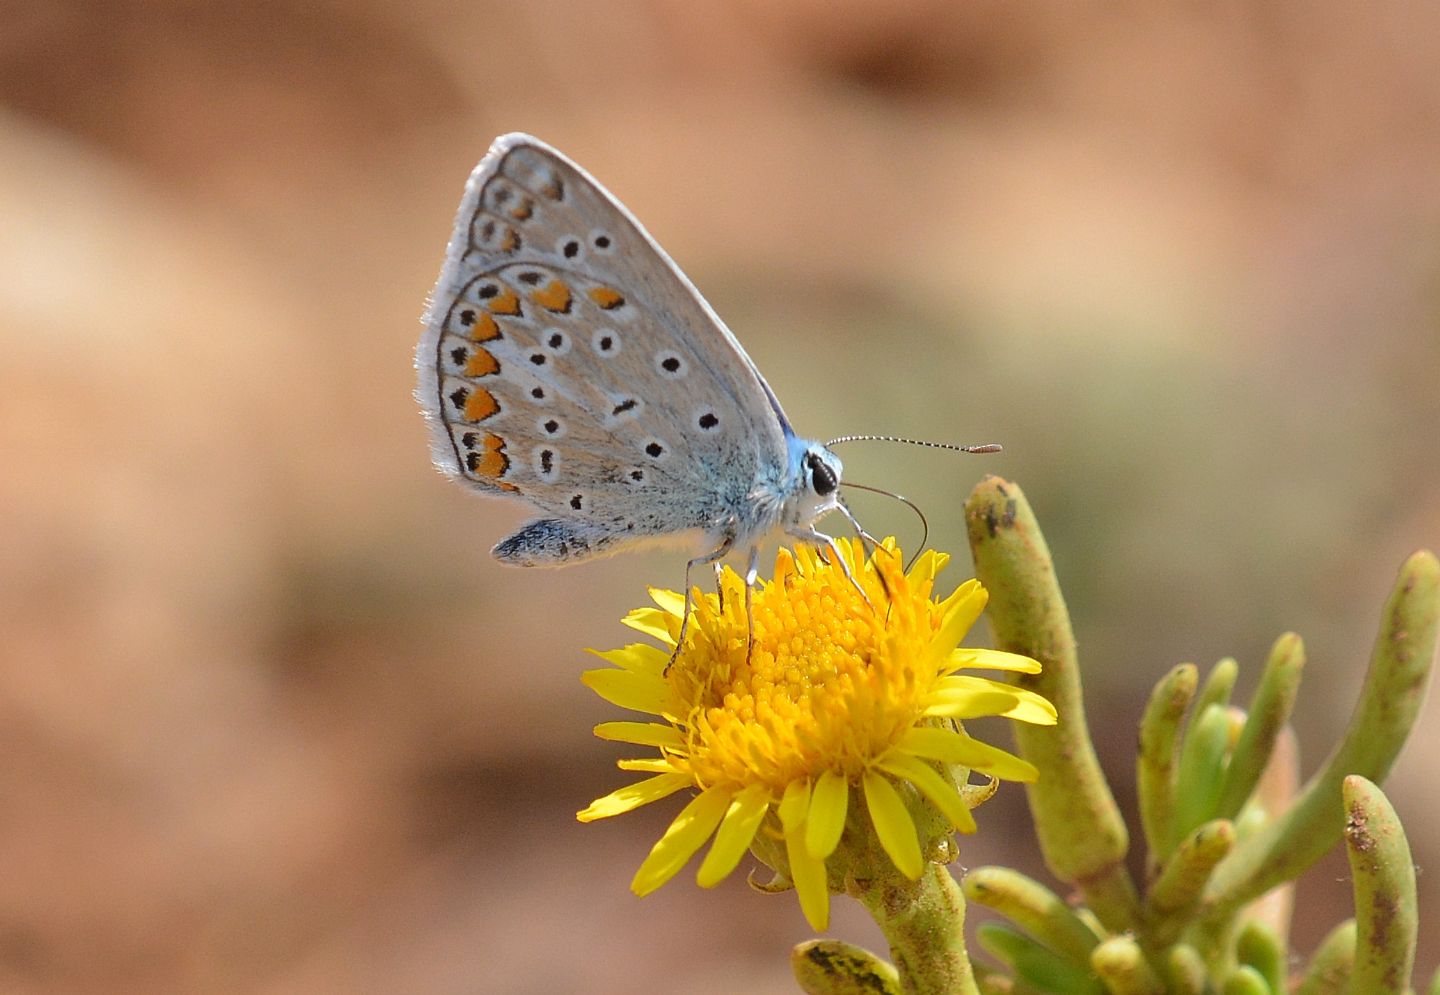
837 692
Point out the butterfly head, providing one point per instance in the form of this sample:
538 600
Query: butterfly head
817 490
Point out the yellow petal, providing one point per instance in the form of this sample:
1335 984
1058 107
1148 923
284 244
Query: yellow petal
826 819
970 593
982 659
1034 709
654 623
651 765
808 876
958 748
959 617
928 781
963 703
637 692
794 805
638 657
736 832
928 566
691 828
641 733
893 825
632 796
670 602
1029 706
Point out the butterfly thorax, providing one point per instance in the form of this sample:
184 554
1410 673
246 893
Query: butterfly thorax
788 500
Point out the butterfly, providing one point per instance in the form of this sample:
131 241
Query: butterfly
566 361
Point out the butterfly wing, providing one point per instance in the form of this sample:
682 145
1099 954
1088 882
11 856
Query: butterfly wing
566 360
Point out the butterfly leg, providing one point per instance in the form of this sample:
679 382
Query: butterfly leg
874 546
752 570
713 557
859 529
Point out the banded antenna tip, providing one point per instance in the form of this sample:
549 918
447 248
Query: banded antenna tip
988 447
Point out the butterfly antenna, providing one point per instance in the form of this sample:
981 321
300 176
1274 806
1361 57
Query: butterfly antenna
988 447
924 522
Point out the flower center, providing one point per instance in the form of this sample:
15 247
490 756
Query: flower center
830 681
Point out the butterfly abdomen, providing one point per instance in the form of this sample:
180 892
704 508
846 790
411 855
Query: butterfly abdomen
553 542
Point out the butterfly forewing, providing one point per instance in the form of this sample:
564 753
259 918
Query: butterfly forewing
568 361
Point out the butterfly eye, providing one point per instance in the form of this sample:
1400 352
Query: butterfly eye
822 479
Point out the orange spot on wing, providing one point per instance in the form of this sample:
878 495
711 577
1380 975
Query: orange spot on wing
555 297
485 328
490 459
481 404
606 297
510 241
505 302
523 210
481 363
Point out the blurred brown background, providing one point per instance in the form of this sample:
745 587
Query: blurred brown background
272 721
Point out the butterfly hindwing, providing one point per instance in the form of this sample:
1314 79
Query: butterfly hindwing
566 360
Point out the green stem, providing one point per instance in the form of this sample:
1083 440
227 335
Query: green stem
1269 711
1122 966
1184 970
1202 769
1384 884
1029 904
1246 981
924 922
1389 703
1218 685
1036 967
1081 832
1177 890
1155 775
1260 948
